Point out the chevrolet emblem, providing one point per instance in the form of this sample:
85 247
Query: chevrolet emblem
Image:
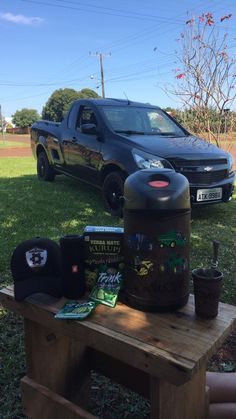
208 168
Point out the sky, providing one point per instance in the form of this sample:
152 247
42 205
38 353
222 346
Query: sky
55 44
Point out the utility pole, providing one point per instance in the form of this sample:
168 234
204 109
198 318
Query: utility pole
100 55
102 75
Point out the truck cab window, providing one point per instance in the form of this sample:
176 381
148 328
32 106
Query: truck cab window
86 116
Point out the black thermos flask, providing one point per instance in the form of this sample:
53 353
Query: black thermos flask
73 281
157 216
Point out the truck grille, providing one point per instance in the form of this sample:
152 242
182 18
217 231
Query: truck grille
197 163
194 171
206 177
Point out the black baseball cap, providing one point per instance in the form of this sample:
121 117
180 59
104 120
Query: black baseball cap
36 268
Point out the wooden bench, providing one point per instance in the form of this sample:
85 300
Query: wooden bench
162 356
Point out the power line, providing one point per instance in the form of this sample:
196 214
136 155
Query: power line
130 76
109 12
25 84
130 13
137 36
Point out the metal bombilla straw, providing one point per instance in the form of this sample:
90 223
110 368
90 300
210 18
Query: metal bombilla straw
214 261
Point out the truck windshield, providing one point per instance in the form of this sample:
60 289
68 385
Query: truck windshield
138 120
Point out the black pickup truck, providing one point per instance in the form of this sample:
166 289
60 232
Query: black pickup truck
102 141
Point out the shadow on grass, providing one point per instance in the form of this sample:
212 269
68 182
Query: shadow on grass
32 208
12 365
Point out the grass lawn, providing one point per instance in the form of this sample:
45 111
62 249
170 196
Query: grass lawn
31 208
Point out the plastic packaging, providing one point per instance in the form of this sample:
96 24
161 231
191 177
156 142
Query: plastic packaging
107 287
76 310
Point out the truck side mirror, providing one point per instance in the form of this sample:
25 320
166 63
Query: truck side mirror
89 129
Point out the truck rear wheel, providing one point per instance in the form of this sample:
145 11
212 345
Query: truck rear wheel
44 170
112 192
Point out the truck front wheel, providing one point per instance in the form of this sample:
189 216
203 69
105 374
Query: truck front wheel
44 170
112 192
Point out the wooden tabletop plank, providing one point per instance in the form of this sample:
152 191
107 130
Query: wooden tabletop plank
179 333
166 344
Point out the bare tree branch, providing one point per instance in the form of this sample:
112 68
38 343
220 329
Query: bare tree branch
206 83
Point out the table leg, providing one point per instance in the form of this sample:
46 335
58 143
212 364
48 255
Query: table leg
179 402
58 362
41 403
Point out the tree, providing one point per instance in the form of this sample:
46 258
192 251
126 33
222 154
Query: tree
206 77
25 117
60 101
171 111
88 93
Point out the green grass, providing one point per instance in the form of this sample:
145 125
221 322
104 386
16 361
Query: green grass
31 208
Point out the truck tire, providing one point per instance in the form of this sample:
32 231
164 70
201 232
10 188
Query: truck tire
44 170
112 192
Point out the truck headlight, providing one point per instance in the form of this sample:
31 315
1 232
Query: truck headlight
148 161
231 164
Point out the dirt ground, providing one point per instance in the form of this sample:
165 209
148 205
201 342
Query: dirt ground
16 151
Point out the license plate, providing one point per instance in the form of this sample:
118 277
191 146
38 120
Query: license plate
209 194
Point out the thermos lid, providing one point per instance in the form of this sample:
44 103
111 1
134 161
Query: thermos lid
161 189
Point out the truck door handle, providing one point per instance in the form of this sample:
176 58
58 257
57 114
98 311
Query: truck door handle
73 139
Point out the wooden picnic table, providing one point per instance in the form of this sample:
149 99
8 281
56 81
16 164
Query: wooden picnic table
162 356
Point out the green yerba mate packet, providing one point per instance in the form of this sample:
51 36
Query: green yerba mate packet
108 285
76 310
102 246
